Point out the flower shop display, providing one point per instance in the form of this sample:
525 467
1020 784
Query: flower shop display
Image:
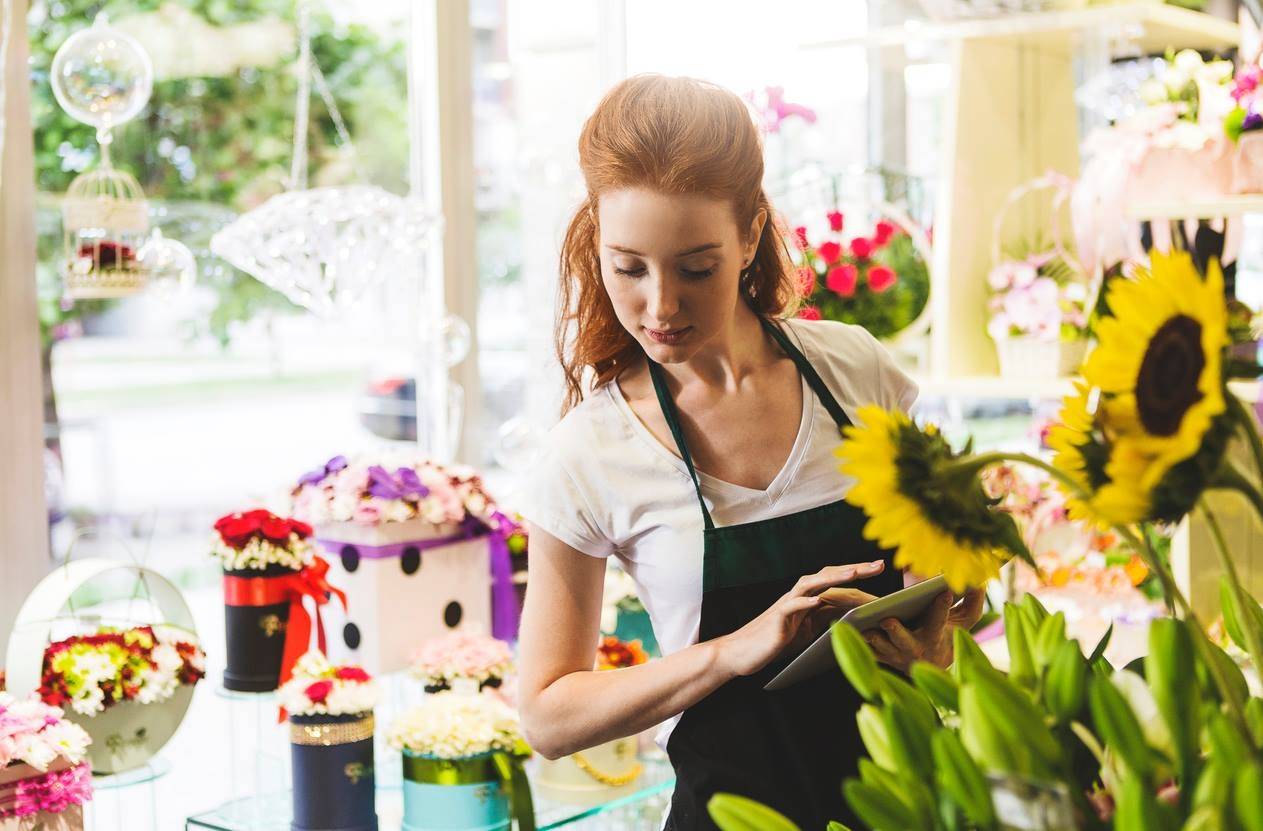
44 776
420 548
1040 300
1243 125
270 566
599 773
331 745
462 764
622 613
462 660
127 686
879 279
1063 739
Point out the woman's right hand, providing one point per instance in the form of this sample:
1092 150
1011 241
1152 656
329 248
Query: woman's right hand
796 619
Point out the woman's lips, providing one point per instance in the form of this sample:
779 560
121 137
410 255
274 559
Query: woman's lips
668 337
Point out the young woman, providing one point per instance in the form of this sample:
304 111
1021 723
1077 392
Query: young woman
702 457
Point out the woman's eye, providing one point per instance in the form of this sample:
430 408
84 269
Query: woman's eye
628 272
697 274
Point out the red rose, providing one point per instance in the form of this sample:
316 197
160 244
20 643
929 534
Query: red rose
302 529
835 220
829 252
862 247
880 278
318 691
841 280
809 313
800 237
806 281
352 674
276 530
883 232
237 532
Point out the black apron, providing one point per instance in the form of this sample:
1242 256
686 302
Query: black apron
789 749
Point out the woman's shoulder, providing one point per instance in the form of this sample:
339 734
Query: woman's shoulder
593 422
835 341
853 362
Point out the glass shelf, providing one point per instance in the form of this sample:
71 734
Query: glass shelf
643 807
151 771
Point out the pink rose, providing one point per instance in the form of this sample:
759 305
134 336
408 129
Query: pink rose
829 252
318 691
880 278
841 280
835 220
862 247
809 313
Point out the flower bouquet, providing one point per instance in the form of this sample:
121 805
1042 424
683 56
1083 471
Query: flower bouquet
101 678
622 613
44 778
1244 126
269 565
462 659
331 745
879 280
384 524
598 773
462 764
1063 739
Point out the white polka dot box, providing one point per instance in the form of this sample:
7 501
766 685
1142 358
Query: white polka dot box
420 549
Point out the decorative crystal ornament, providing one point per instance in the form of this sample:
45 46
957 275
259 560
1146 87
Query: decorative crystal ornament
169 263
323 248
102 76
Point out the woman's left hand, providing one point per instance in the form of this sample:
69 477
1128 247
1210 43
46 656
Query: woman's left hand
899 647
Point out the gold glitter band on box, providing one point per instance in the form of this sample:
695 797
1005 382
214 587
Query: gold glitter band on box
331 733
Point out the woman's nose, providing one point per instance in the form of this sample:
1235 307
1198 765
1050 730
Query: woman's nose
663 301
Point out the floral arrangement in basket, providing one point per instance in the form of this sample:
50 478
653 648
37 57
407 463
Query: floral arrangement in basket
317 687
47 753
92 673
1173 742
879 280
369 494
259 538
615 654
461 657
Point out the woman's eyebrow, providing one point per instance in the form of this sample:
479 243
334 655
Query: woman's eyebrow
695 250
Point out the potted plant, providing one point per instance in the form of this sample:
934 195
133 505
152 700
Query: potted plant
331 745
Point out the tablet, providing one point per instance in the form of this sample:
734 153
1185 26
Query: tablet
906 605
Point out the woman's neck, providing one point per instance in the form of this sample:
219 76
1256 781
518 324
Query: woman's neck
736 351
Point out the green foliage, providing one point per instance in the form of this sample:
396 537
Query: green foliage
882 313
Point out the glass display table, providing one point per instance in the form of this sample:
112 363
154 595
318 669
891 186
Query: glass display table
640 809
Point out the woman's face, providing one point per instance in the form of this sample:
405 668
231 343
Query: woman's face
671 265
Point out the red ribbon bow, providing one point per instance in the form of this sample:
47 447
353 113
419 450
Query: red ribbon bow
266 591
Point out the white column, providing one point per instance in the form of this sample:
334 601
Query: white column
23 514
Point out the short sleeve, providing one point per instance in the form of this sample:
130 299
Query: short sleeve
553 501
897 391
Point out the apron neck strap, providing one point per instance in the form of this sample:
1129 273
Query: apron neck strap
672 416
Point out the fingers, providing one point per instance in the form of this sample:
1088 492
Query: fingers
845 598
882 647
936 615
834 575
798 605
901 639
969 611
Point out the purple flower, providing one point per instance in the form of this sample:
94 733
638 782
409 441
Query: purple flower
1253 120
318 475
403 485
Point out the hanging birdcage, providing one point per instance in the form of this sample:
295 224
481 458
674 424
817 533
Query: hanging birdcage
105 221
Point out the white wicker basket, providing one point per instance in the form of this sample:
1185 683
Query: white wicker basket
1028 357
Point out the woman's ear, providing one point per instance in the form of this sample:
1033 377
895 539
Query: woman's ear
756 233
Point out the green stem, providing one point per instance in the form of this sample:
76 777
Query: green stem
1249 620
1171 590
1245 420
1231 478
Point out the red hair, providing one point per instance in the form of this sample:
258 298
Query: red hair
674 136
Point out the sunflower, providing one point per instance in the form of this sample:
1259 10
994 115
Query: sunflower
1160 369
922 502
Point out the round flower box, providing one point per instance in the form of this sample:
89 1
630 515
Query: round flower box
462 660
596 775
332 764
1030 357
255 633
128 733
331 740
442 794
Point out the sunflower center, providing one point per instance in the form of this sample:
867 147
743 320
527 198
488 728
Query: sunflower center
1167 384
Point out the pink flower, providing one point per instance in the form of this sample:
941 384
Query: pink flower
806 281
318 691
862 247
841 280
884 232
809 313
829 252
835 220
881 278
352 673
1035 310
800 237
366 513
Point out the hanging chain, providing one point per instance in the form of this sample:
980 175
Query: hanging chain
309 72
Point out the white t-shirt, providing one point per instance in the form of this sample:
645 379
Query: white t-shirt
606 485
